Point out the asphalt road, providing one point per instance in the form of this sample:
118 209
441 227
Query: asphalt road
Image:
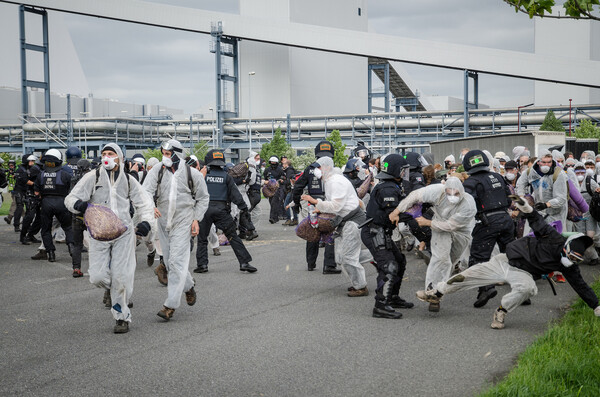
282 331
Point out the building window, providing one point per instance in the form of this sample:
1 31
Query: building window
358 11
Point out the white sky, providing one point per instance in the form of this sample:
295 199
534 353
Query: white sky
139 64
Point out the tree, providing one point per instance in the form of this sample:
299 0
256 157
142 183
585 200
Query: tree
573 9
304 160
587 129
551 123
277 147
339 158
200 150
148 153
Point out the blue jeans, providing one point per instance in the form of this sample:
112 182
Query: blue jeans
289 213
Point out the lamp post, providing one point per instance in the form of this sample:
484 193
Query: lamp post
570 111
519 115
250 74
85 115
212 110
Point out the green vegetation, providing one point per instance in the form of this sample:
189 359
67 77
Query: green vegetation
339 159
278 146
573 9
551 123
5 205
587 129
304 160
565 361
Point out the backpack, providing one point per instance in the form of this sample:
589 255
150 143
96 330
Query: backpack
574 213
595 201
189 179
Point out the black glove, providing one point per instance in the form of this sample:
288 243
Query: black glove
142 229
540 206
81 206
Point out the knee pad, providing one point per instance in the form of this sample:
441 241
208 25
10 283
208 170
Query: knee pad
391 269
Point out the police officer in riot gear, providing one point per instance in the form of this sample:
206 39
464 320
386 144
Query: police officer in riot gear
415 164
83 167
377 237
311 180
223 192
73 155
53 185
494 224
275 171
351 172
362 152
31 221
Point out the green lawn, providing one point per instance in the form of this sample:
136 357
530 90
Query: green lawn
565 361
5 204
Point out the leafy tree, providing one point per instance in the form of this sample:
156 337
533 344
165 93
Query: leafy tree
573 9
304 160
551 123
7 156
587 129
200 149
148 153
339 158
277 147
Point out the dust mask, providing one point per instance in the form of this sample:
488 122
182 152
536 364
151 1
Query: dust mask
589 172
317 173
109 163
453 199
167 162
580 177
545 169
510 176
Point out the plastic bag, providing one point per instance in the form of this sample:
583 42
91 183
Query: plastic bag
102 223
416 210
269 189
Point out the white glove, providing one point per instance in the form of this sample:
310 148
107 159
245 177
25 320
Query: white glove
525 207
597 311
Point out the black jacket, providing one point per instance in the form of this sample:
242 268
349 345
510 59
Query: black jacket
541 255
273 173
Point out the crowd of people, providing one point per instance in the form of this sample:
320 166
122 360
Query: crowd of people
478 222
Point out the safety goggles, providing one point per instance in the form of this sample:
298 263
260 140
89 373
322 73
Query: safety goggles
168 146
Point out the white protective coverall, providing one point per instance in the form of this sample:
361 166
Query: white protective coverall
451 226
178 210
341 199
112 263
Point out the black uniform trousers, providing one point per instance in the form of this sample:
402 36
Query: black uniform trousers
31 221
276 202
381 256
78 229
218 213
254 197
18 199
246 224
312 252
55 206
499 229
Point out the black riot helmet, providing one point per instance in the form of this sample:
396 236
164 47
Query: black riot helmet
362 152
415 161
475 161
392 166
215 157
83 165
324 148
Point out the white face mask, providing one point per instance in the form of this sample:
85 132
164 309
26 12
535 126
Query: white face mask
580 177
589 172
545 169
108 163
453 199
167 162
317 173
510 176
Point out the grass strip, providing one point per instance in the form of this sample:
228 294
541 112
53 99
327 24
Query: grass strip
565 361
6 204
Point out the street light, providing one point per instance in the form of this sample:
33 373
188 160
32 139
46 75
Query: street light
250 112
85 115
519 114
212 110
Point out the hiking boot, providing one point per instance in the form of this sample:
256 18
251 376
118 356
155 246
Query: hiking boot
106 299
294 222
32 239
51 256
287 223
166 313
430 295
122 327
434 307
161 274
498 321
331 270
459 278
17 229
242 235
484 296
246 267
383 310
24 241
77 273
358 292
253 234
190 297
311 266
150 258
201 269
216 252
398 303
8 219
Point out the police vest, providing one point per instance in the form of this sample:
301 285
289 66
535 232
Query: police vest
315 185
490 189
53 184
390 194
216 183
258 184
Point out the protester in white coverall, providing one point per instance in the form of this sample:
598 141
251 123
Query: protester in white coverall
179 210
341 200
112 263
451 225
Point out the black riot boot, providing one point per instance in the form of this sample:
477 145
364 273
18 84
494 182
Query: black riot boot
51 256
383 309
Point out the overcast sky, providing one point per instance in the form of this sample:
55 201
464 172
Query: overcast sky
139 64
